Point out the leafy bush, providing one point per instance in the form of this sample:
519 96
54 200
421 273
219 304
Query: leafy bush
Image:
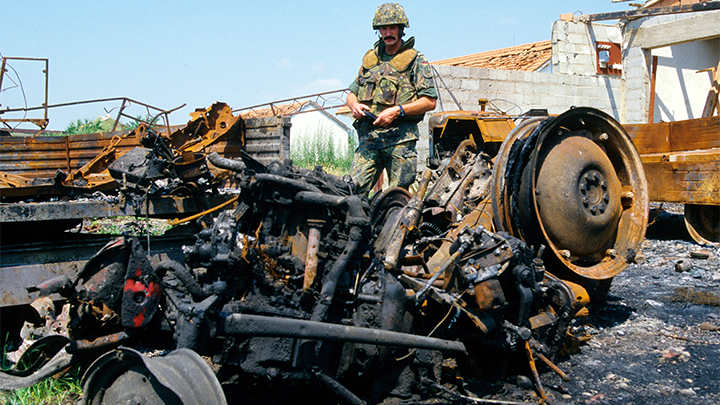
87 126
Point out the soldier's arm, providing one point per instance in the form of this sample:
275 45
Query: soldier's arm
419 106
358 109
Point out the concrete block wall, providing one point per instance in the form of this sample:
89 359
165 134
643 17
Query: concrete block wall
516 92
636 86
573 50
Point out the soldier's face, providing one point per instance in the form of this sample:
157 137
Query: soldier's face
390 35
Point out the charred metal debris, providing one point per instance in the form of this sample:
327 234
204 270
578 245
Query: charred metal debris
476 275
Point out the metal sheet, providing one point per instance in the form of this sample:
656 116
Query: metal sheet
30 265
163 206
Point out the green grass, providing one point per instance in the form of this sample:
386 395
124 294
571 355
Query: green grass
63 390
136 226
318 148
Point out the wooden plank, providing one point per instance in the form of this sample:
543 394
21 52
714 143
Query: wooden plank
647 12
701 133
711 103
653 79
650 138
40 157
692 178
694 28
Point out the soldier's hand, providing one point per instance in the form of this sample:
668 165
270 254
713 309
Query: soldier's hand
358 110
387 116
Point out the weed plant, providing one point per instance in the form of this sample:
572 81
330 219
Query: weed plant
318 148
64 389
88 126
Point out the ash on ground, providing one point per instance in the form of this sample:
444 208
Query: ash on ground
655 340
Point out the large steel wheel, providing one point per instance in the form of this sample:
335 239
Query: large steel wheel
575 184
124 376
703 223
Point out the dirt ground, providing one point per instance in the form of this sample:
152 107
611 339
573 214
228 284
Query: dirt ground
656 339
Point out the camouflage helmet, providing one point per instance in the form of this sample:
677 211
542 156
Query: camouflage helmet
390 14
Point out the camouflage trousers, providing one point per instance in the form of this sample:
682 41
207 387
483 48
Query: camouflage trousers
400 160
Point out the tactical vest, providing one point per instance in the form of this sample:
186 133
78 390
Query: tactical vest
386 84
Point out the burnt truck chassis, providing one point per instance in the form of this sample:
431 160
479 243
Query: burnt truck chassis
475 276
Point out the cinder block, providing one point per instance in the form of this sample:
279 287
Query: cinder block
563 90
578 38
636 94
469 85
478 73
636 117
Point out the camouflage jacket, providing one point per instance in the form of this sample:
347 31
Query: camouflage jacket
388 80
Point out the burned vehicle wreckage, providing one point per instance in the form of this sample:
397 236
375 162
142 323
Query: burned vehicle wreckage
477 274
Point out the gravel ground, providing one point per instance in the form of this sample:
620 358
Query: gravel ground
656 339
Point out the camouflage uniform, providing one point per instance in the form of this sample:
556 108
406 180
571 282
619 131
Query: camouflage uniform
385 81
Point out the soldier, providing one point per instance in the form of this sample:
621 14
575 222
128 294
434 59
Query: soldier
394 86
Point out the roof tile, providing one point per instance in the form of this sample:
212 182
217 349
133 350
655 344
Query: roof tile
528 57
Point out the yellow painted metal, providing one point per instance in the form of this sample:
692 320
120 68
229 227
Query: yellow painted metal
490 126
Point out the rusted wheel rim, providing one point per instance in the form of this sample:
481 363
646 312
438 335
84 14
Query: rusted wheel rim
703 223
126 376
577 194
552 174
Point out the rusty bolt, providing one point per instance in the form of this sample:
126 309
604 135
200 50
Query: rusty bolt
593 209
611 252
602 207
564 253
603 137
603 184
606 197
585 201
583 187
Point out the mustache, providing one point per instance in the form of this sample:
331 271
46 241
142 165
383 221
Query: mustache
389 37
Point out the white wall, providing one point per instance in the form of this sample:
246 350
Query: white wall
305 125
684 43
573 46
680 91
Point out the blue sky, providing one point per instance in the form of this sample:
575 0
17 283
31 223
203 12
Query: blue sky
244 53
